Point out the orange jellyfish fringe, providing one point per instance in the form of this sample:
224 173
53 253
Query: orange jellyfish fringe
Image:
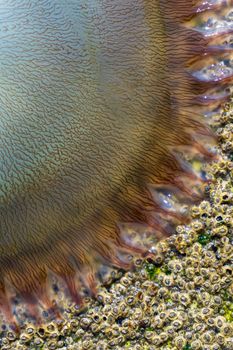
189 51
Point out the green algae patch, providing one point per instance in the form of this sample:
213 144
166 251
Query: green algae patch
166 270
153 271
204 238
228 312
187 347
149 329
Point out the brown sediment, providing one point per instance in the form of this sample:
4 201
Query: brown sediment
73 174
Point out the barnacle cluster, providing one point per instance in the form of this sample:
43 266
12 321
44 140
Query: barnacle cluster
182 299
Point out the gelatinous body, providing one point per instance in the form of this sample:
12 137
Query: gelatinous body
94 98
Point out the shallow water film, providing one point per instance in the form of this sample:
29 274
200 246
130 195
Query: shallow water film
116 173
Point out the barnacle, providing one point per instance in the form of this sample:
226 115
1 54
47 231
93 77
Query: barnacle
11 336
25 338
196 345
180 342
